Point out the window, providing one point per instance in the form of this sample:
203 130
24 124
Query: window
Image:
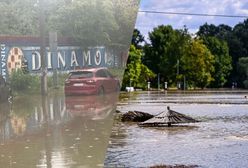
109 74
82 74
101 73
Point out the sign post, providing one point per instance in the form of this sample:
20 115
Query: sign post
43 49
53 45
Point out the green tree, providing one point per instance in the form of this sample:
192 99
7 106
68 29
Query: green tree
223 61
136 73
221 31
106 22
145 75
160 57
18 17
165 51
243 70
125 13
197 64
137 39
236 39
133 68
89 22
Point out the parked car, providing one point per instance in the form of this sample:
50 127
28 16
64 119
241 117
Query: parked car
91 81
4 90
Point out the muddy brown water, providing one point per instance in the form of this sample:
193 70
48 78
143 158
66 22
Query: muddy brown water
219 140
55 131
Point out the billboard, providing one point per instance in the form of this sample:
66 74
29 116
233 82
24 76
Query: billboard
23 51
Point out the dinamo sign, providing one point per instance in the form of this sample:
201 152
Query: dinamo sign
14 56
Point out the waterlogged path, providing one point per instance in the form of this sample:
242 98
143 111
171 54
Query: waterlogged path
220 140
55 131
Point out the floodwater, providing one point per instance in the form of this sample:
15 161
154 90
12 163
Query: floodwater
219 140
55 131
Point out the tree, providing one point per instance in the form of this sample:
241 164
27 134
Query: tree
89 22
236 39
221 31
160 56
18 17
166 48
197 63
145 75
223 61
137 39
243 70
105 22
136 73
207 30
133 68
125 13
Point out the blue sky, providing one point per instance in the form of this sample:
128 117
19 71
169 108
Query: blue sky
146 22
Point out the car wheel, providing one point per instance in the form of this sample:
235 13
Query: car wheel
101 91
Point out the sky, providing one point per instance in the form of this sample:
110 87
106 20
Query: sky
146 21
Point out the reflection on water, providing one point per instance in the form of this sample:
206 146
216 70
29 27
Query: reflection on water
220 140
55 131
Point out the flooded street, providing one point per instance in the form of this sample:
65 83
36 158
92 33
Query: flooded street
219 140
55 131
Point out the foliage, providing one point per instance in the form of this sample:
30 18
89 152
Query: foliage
198 64
95 22
91 23
223 61
125 13
165 51
145 75
25 82
20 81
236 39
221 32
243 70
13 19
160 55
60 79
79 19
137 39
136 73
133 69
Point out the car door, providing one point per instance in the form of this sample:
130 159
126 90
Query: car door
102 80
112 82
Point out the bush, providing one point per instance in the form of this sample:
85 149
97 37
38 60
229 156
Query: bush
61 77
20 81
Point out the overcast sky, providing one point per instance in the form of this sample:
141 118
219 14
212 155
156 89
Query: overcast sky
146 21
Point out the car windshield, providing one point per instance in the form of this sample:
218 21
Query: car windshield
83 74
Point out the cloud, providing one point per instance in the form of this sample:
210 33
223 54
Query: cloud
146 22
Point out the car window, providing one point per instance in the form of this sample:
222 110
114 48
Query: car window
109 74
101 74
84 74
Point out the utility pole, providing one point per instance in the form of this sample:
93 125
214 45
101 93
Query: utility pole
53 45
158 81
42 48
178 71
